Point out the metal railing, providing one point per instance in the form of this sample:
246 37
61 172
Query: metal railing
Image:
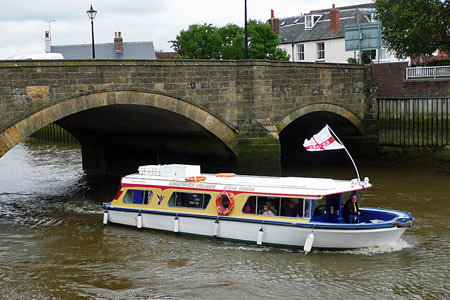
414 122
428 72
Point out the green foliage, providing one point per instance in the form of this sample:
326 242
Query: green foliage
352 60
370 84
414 27
440 62
199 41
232 38
228 42
366 57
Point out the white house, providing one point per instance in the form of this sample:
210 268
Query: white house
319 36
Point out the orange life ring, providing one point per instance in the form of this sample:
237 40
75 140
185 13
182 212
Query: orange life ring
224 209
225 175
195 178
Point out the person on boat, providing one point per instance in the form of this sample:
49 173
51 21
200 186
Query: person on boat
271 207
248 209
267 211
291 211
351 210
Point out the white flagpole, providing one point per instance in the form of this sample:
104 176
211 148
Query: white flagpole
357 173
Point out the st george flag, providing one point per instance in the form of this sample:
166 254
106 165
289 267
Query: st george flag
322 141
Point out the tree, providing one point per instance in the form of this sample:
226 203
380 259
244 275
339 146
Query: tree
199 41
210 42
411 28
233 40
263 42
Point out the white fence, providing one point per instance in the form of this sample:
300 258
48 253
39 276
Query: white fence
428 72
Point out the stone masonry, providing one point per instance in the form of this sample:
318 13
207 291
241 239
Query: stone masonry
243 103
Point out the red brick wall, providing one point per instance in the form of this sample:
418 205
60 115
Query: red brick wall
390 80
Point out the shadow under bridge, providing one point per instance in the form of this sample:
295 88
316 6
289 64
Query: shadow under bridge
119 138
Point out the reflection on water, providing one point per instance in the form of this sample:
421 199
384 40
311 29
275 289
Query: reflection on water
53 243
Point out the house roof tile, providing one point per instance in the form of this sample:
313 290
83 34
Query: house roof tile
131 50
292 32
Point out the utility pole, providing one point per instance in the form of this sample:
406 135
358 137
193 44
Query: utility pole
246 33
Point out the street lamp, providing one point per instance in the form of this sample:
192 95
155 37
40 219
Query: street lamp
91 14
245 32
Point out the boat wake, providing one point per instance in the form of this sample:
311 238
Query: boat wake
381 249
247 248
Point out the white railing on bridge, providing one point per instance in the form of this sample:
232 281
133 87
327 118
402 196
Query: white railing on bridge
428 72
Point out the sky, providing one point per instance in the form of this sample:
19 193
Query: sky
24 22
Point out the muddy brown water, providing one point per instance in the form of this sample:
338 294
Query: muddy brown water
53 244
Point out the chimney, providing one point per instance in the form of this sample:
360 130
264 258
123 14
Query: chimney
334 20
118 42
48 42
274 22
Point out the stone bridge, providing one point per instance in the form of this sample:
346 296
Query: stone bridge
233 115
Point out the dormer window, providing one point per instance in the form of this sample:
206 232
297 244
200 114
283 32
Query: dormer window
283 23
311 20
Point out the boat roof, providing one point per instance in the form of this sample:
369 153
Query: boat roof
190 178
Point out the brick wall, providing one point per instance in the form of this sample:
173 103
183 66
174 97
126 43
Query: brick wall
390 80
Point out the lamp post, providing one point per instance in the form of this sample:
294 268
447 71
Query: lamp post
246 33
91 14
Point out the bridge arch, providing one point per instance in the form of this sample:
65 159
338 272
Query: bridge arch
18 132
321 107
308 120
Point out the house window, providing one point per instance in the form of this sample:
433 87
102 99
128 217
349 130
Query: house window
311 20
301 51
137 197
189 200
320 51
383 54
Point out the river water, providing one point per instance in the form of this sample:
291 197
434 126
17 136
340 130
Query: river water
53 244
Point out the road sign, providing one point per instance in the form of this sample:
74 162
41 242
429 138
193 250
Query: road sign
362 37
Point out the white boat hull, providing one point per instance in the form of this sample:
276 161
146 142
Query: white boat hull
283 234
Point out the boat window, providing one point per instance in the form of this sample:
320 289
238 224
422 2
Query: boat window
279 206
255 205
190 200
137 197
320 207
294 207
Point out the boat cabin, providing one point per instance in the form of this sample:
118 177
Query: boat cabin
183 189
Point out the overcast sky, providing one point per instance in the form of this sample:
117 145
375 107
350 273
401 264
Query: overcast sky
23 22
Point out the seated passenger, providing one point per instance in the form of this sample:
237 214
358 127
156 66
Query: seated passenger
267 211
271 207
248 209
291 211
351 210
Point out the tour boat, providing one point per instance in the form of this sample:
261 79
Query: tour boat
276 211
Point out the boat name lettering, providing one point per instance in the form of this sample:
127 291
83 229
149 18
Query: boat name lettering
240 188
193 185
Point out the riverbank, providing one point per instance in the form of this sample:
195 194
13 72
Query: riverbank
436 158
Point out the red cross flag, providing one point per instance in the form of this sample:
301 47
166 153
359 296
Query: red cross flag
322 141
